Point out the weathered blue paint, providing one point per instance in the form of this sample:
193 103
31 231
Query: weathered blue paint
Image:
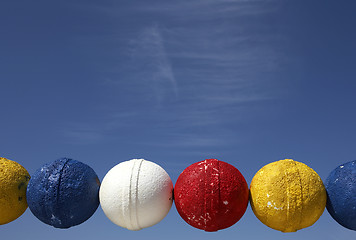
63 193
341 190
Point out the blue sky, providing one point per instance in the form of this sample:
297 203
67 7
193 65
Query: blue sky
176 82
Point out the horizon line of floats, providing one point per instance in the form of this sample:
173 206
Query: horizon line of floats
210 195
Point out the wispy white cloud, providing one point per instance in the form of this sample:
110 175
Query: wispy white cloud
148 57
196 67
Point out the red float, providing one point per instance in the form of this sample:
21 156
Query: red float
211 195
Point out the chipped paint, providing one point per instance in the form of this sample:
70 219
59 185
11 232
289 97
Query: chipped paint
287 195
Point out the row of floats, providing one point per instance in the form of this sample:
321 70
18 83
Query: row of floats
210 195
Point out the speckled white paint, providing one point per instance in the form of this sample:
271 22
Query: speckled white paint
136 194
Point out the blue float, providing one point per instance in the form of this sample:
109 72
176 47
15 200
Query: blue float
341 190
63 193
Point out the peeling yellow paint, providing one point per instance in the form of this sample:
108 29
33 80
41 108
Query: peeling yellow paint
296 191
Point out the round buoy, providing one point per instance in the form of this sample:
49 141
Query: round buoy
287 195
63 193
136 194
341 190
211 195
13 183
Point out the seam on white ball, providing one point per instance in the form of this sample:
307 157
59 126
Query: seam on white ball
133 196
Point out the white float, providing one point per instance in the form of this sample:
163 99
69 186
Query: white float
136 194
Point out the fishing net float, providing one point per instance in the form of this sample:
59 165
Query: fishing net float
341 188
63 193
136 194
287 195
13 183
210 195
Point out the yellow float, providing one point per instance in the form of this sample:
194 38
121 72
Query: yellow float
287 195
13 184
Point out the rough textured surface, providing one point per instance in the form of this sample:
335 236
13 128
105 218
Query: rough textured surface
63 193
13 183
287 195
341 190
136 194
211 195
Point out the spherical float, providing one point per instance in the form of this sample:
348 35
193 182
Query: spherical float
287 195
211 195
63 193
13 182
341 190
136 194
